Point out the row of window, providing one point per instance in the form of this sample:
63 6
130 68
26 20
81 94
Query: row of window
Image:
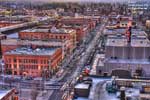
32 61
43 37
23 67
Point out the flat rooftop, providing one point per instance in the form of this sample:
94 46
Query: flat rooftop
123 31
122 42
11 41
30 51
44 30
117 37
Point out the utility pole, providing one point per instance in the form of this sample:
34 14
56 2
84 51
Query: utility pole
2 64
50 68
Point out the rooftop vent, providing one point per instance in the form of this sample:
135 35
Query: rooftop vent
141 42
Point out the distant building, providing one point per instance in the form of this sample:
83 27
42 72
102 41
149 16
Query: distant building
81 29
11 44
116 22
32 62
13 20
2 37
79 20
138 7
8 23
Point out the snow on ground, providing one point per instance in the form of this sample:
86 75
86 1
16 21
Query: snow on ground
95 81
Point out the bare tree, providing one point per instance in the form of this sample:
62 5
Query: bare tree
34 92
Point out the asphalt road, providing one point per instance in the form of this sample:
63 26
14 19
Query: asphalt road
78 61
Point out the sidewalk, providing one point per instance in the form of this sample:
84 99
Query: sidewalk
44 95
56 79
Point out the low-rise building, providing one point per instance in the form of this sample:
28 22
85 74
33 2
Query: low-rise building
9 23
11 44
78 20
81 30
32 62
119 21
50 34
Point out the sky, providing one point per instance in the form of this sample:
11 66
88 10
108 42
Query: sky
77 0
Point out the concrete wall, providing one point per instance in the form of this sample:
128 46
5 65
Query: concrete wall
109 66
128 52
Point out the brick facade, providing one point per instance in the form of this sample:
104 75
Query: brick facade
31 65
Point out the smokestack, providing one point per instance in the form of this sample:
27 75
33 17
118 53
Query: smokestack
122 94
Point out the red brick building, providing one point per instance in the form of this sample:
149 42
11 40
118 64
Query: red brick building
81 30
81 21
8 44
11 44
8 23
50 34
32 62
30 55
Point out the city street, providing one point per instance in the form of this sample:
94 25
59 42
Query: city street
76 67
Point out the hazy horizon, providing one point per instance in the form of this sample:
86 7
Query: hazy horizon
74 0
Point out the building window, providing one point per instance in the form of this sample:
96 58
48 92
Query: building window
6 66
15 66
19 60
45 61
114 57
9 60
56 37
